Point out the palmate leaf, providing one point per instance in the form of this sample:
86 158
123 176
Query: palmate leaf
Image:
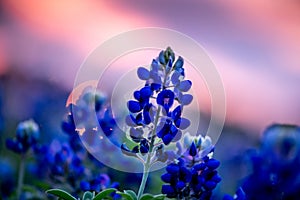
104 193
61 194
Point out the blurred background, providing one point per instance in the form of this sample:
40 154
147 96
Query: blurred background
254 45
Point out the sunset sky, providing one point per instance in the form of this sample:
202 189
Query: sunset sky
254 45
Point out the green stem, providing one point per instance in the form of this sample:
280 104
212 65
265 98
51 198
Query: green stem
144 180
147 164
21 176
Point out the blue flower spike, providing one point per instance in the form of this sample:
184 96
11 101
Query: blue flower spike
27 135
155 120
158 105
194 174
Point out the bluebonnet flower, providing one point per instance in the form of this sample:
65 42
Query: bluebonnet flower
63 162
275 165
155 112
98 183
69 127
107 122
193 174
90 108
27 134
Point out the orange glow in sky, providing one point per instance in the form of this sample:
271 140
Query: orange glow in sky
267 33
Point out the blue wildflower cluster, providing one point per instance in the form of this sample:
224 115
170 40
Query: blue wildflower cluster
156 124
193 175
63 163
27 135
275 166
90 107
155 113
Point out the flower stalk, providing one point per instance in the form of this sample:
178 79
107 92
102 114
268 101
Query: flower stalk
21 175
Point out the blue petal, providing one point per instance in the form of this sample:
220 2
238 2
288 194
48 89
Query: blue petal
146 114
155 77
213 163
144 146
161 58
84 185
165 97
166 177
216 178
155 86
173 130
144 149
161 131
146 92
210 185
167 139
177 136
134 106
143 73
193 149
175 77
169 66
172 168
185 85
186 99
139 119
197 188
179 63
154 65
184 123
180 185
130 120
177 93
167 189
200 166
176 112
136 134
137 95
186 175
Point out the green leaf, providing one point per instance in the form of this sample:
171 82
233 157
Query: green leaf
147 197
88 195
61 194
125 196
159 197
104 193
131 193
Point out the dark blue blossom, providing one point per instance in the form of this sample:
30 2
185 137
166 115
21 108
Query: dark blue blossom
166 99
107 123
193 175
167 131
27 135
156 110
96 184
275 166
